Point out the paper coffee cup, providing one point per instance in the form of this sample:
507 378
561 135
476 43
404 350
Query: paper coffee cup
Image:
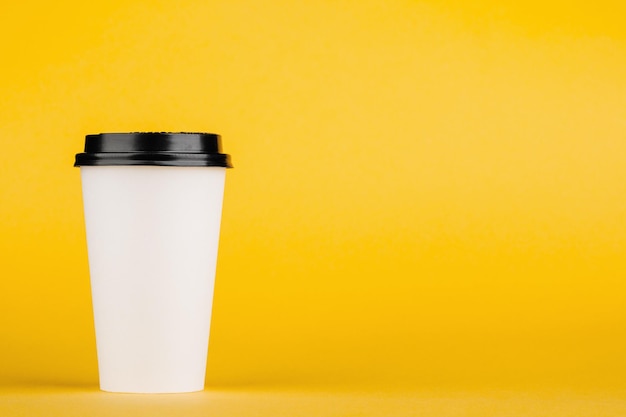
153 204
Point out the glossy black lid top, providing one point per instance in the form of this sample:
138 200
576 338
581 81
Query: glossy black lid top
153 148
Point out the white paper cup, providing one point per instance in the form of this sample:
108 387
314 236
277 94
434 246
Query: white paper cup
152 238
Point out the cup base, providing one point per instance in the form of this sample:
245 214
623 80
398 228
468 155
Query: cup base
113 390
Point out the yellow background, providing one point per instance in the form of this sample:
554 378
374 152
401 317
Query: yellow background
425 193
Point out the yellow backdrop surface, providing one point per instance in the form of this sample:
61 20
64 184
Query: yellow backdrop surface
425 193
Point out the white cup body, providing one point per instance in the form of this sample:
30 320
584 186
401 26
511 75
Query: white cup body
152 238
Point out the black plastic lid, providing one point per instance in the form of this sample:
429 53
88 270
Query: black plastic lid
153 148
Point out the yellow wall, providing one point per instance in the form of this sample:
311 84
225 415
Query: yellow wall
425 192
